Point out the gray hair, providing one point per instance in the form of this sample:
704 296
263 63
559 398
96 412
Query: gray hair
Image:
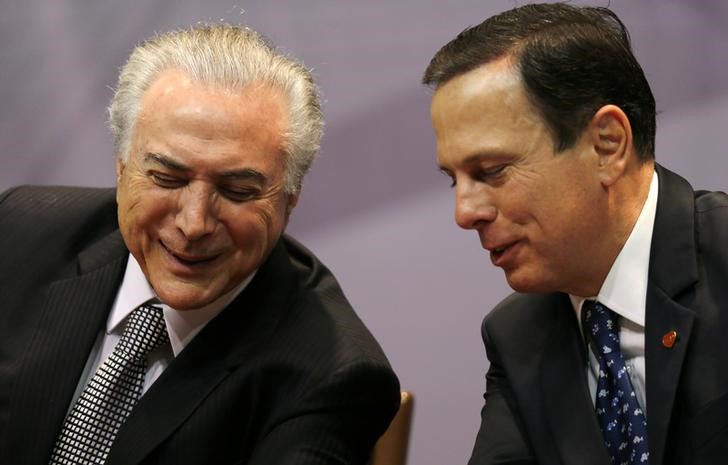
231 56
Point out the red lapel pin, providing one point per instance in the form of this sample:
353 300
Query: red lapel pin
668 340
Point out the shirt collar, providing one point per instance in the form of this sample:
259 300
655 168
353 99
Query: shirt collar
624 290
182 325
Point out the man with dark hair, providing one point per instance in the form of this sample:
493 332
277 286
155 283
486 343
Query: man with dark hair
170 320
612 348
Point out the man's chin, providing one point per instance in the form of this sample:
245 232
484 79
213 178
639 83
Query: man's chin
526 284
186 297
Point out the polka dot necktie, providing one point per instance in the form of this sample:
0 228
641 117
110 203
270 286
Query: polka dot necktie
622 420
107 400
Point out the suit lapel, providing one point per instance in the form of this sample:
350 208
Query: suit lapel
663 364
564 390
73 313
231 338
673 272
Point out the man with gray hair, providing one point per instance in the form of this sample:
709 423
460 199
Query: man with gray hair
171 321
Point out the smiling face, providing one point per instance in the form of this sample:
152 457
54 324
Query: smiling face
200 198
542 215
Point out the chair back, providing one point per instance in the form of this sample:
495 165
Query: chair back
391 448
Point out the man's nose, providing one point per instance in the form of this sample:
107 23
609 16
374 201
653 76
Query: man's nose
473 206
195 216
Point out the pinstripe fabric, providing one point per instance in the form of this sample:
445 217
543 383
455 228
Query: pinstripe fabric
286 374
63 297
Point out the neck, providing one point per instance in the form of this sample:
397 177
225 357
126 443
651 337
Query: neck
625 200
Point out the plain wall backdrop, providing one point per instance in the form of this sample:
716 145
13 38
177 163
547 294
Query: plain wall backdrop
374 208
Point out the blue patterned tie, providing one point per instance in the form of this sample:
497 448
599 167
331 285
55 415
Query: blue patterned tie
620 416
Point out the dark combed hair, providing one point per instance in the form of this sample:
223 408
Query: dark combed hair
572 60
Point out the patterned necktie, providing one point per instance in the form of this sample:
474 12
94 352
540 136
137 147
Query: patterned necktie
620 416
107 400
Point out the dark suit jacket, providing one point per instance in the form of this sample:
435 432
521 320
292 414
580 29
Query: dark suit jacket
537 403
287 374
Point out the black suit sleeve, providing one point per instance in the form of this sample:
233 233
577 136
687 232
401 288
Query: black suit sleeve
335 423
500 439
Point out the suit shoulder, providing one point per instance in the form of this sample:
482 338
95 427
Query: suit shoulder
313 278
34 218
519 324
518 309
711 214
320 305
711 225
54 203
706 201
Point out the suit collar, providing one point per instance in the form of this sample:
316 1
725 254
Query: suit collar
72 314
673 272
673 257
663 365
102 252
233 337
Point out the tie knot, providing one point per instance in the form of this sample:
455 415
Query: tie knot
145 331
600 324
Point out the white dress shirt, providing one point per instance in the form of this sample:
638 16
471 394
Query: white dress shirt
182 325
624 291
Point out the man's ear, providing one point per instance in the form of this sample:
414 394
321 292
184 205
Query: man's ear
611 136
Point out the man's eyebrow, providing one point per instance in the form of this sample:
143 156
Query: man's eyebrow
244 174
232 175
468 160
477 157
489 156
165 161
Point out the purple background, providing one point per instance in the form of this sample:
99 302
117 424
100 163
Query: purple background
374 208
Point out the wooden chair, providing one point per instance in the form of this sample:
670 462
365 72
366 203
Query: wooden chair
391 448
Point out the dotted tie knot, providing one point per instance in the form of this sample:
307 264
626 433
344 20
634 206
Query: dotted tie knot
145 331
